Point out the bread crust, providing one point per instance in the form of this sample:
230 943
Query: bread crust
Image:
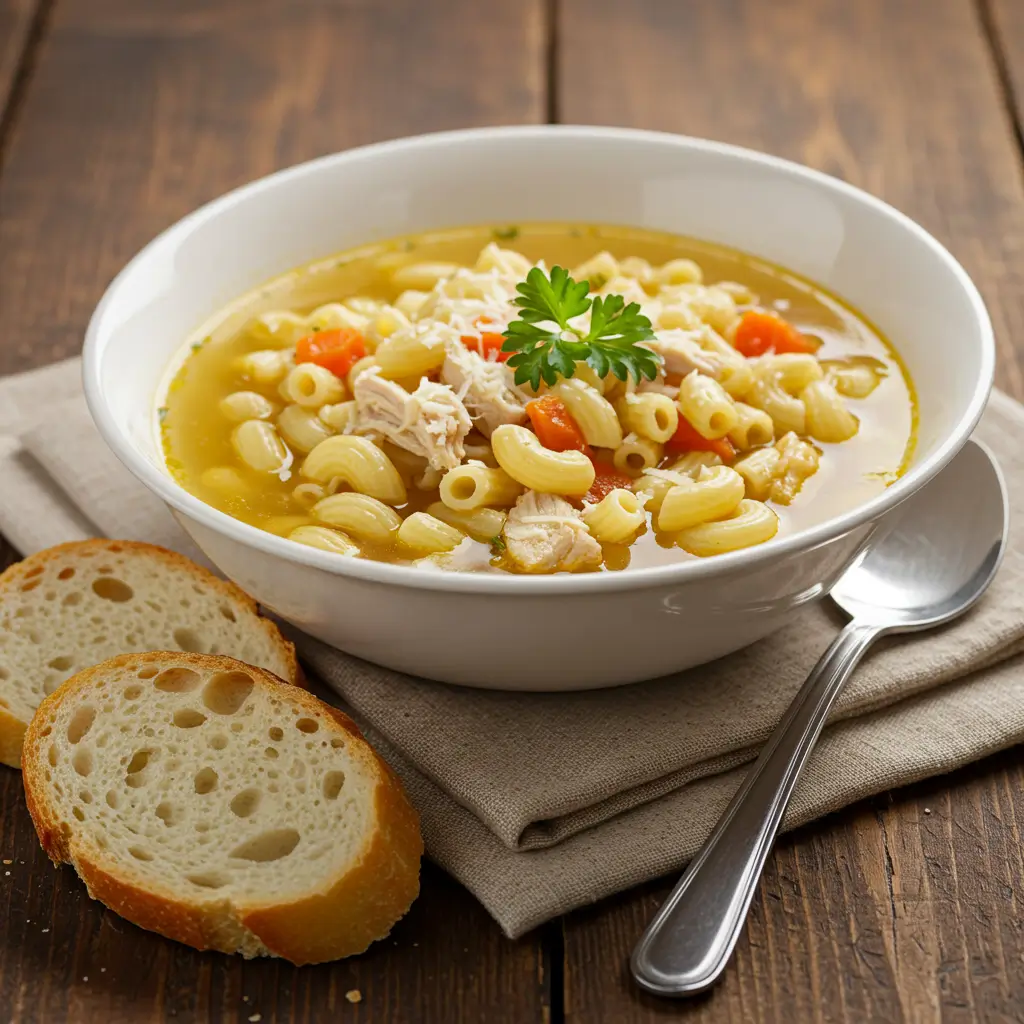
335 920
12 729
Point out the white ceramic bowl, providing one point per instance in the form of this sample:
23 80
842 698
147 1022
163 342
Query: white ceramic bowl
563 632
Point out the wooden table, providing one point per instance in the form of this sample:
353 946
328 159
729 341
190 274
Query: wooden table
119 116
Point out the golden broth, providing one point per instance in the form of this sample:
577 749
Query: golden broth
196 436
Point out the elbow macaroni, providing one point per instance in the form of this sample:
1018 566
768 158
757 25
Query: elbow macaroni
359 463
827 418
360 515
649 415
616 517
311 386
326 540
470 486
594 413
707 406
424 534
714 494
750 523
521 455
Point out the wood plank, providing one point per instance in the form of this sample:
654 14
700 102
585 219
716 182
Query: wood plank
16 17
135 114
882 912
140 112
1004 22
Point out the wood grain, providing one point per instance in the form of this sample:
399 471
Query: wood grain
16 17
882 912
134 113
138 112
1004 22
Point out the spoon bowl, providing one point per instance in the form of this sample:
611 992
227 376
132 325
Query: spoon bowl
930 565
920 573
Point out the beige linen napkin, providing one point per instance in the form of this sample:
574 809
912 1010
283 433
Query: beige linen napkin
539 803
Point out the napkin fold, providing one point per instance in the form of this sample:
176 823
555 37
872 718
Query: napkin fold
540 803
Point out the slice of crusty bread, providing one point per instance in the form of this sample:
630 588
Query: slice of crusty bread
209 801
74 605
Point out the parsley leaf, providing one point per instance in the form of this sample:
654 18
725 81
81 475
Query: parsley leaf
547 347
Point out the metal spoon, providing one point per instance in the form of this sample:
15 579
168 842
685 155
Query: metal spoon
943 549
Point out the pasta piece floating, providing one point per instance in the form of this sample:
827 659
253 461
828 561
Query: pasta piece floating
360 464
636 455
425 534
312 386
616 518
753 428
523 458
302 428
325 540
240 406
649 415
707 406
751 523
827 418
260 448
714 494
483 524
468 487
364 517
593 413
759 470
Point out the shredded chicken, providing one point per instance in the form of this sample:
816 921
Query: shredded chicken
544 533
431 422
682 353
486 387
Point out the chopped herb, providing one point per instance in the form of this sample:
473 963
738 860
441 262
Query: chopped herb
162 413
546 346
575 233
408 245
197 345
506 234
498 545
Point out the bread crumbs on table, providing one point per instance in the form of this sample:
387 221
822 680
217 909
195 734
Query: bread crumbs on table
353 995
927 810
255 1017
6 861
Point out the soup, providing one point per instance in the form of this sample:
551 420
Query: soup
459 401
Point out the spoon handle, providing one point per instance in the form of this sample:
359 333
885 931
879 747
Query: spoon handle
690 940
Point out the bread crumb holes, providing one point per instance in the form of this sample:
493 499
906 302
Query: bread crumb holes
267 846
176 680
244 804
226 692
110 588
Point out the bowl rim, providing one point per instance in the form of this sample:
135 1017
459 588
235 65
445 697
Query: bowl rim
684 572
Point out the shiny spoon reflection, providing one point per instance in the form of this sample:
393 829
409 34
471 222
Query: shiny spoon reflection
935 560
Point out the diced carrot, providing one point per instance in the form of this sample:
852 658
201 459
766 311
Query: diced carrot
687 439
337 351
758 333
554 425
487 345
606 480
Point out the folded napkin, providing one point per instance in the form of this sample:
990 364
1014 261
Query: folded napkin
540 803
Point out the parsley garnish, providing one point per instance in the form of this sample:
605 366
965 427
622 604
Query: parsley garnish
506 234
162 413
498 544
546 346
